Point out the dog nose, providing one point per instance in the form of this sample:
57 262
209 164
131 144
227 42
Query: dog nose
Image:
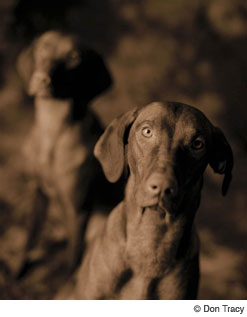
170 191
154 184
42 78
38 81
159 183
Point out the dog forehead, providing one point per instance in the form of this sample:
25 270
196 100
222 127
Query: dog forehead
192 121
55 44
154 111
173 114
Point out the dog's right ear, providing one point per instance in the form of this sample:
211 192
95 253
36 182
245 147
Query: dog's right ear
25 65
109 149
221 158
95 76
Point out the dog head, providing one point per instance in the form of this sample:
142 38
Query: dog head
57 65
167 147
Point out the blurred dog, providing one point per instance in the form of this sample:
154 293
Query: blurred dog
148 248
63 76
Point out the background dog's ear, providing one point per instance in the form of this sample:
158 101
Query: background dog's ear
221 158
109 149
25 65
96 75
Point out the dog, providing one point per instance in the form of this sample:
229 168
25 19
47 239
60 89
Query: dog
63 76
148 248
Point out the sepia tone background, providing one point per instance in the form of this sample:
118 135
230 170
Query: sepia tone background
188 51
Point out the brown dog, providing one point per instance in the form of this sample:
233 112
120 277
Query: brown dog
63 76
148 248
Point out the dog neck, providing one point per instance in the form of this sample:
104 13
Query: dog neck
53 119
53 110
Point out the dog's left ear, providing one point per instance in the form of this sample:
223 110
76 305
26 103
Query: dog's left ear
25 65
96 76
221 158
110 148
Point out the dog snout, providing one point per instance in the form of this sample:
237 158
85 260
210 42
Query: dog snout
41 78
160 184
154 184
39 81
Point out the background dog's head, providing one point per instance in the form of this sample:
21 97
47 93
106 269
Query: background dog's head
57 65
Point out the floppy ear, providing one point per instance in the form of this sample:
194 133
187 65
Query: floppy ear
25 65
96 75
221 158
109 149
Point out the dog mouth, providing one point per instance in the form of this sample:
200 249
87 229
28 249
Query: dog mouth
159 203
162 205
156 207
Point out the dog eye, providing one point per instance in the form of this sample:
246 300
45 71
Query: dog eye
147 132
197 144
73 59
74 55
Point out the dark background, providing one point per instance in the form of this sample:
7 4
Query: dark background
188 51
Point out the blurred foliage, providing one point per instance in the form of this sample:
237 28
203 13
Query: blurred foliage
189 51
